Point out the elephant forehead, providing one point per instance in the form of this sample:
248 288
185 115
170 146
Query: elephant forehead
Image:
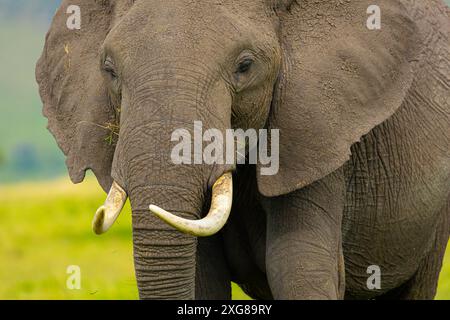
177 25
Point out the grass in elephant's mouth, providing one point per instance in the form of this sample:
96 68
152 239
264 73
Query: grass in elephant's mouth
46 227
113 133
113 128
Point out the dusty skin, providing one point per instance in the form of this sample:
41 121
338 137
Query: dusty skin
364 120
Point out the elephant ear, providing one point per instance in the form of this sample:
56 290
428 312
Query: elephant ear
338 81
71 86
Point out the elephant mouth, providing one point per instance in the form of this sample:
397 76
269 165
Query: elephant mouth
213 222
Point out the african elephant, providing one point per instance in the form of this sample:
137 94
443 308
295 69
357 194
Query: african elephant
364 149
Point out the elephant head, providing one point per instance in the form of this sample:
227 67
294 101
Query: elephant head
116 89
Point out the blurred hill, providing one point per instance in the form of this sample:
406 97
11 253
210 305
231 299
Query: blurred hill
27 150
36 9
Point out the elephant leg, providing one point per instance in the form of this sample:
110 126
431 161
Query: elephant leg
423 285
304 257
212 275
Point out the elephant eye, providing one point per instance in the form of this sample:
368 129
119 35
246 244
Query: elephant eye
109 67
245 65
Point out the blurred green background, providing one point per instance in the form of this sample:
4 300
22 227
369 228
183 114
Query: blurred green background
44 219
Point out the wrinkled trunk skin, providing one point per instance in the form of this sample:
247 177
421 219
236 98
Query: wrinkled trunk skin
160 104
164 257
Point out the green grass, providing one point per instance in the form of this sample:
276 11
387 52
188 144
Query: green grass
444 280
46 227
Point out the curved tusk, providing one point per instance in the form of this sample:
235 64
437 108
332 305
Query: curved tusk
107 214
222 199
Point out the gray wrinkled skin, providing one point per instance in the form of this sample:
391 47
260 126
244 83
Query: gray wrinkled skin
364 149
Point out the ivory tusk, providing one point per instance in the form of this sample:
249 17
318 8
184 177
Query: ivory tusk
107 214
222 200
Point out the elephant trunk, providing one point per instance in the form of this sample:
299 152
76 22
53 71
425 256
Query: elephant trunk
164 258
164 264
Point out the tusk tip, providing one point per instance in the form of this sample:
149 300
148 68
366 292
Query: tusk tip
108 213
99 218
